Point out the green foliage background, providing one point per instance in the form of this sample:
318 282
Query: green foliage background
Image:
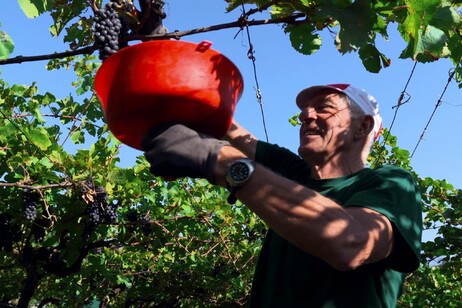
197 250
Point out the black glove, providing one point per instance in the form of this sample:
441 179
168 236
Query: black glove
175 150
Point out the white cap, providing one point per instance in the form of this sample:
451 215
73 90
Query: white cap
361 98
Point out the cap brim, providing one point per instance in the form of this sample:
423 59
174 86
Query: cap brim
310 92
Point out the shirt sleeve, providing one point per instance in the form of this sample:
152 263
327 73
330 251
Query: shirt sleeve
393 192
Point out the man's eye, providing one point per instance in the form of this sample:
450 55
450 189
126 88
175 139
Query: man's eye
324 107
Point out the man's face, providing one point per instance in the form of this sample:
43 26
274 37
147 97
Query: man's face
326 126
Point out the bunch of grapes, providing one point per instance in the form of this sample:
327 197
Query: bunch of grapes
108 210
99 209
30 200
110 213
96 199
94 213
93 218
92 210
109 28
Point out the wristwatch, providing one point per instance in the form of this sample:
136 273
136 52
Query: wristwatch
238 174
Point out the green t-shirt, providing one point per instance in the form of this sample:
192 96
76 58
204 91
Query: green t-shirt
288 277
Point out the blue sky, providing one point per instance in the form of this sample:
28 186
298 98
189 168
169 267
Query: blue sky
282 73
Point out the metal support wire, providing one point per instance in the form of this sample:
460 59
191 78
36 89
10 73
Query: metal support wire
438 103
251 56
404 97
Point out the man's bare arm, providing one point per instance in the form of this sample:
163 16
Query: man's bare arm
242 139
346 238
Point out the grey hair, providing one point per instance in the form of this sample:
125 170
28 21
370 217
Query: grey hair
357 113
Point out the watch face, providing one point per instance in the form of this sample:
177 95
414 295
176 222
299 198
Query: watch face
239 171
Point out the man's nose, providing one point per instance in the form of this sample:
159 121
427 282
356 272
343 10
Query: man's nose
307 113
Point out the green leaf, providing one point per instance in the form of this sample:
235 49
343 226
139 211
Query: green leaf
455 45
124 281
6 45
38 114
428 46
357 22
40 138
78 137
446 18
303 38
371 58
33 8
426 28
294 120
48 175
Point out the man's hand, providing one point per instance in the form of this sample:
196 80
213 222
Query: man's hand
177 151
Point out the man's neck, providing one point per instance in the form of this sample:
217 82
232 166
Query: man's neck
336 169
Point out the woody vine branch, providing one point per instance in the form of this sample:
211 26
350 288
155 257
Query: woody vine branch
240 23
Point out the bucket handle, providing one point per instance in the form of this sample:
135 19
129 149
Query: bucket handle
204 46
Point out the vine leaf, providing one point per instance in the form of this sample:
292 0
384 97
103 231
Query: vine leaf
233 4
357 23
430 45
6 45
40 138
445 18
373 60
33 8
303 39
423 29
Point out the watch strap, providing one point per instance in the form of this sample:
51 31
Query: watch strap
232 195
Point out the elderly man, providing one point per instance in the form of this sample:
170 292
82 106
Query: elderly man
341 234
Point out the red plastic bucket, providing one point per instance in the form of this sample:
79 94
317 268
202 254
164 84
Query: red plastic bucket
156 82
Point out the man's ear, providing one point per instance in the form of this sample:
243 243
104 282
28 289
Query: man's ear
365 127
